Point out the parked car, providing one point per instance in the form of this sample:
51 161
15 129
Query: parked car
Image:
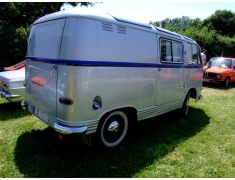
220 70
12 82
15 67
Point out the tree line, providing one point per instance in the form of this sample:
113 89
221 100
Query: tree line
215 33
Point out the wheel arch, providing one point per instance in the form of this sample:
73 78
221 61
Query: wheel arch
193 93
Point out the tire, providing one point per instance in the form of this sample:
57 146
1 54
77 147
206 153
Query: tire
112 129
185 108
226 82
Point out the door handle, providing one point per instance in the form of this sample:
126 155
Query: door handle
65 100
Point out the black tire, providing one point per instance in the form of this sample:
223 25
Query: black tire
185 108
112 129
226 82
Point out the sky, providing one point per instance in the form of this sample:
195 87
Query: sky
146 11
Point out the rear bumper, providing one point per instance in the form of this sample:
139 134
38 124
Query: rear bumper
69 130
6 95
51 121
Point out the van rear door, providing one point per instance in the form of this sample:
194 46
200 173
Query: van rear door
41 65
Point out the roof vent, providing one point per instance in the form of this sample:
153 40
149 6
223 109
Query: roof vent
107 27
121 29
131 22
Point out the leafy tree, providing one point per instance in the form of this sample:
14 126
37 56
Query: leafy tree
222 21
206 39
15 21
178 24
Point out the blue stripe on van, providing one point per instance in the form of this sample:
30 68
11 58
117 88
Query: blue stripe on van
109 63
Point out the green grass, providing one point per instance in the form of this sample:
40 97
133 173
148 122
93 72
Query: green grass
200 145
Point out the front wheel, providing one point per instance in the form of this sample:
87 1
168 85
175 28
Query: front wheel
185 108
113 129
227 82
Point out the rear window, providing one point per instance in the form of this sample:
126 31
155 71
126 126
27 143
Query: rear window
45 39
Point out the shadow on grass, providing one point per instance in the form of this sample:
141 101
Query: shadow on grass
218 86
11 110
42 154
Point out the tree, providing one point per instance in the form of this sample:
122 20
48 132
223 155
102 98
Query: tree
15 21
222 21
178 24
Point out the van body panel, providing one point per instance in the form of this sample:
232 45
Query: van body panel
41 77
170 85
126 43
170 81
193 76
41 86
79 40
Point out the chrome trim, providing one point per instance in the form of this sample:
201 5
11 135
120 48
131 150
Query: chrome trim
113 127
69 130
7 95
158 110
24 105
67 127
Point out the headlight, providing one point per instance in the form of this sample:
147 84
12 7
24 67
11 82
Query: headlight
218 76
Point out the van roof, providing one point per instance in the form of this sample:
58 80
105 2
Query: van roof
88 14
108 18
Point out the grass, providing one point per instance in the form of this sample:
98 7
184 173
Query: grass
200 145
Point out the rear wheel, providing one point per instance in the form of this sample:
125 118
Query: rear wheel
226 82
113 129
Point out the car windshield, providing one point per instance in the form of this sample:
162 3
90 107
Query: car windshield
219 62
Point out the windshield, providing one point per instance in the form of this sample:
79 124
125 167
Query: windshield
219 62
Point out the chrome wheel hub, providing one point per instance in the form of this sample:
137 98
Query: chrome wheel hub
113 127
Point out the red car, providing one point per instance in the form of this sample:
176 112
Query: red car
220 70
15 67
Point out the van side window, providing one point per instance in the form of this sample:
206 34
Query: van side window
171 51
166 53
177 52
194 54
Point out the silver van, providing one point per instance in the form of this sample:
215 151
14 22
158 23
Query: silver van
91 73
